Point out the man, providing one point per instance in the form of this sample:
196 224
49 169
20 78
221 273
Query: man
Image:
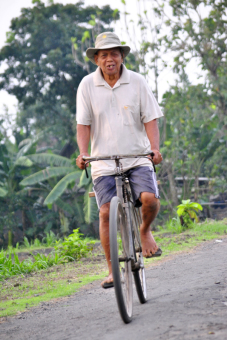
118 112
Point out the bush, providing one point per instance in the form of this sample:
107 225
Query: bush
74 246
187 213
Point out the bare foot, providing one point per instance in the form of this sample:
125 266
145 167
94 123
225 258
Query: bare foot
149 245
109 279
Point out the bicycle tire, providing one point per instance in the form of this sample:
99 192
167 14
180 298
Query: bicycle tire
139 273
121 265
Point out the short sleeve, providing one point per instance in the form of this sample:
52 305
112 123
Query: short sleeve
149 108
83 105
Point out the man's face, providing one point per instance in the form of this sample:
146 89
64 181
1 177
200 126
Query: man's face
110 61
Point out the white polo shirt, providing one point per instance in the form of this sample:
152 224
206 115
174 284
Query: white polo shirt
116 116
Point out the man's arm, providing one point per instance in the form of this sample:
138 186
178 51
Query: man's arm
83 138
152 131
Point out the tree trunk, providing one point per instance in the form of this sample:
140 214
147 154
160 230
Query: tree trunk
196 188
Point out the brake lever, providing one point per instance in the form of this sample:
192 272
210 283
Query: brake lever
86 169
152 155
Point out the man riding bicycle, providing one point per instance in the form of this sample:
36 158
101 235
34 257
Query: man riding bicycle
117 111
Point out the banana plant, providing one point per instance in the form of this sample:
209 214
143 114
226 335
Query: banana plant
90 206
13 162
59 166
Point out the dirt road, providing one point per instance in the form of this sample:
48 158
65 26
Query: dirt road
187 300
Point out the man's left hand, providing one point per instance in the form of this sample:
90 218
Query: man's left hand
157 158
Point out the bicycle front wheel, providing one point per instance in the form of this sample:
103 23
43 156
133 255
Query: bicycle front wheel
120 259
139 272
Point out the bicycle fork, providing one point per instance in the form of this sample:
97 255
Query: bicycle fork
130 256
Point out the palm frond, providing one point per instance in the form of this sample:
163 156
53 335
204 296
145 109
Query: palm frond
45 174
61 186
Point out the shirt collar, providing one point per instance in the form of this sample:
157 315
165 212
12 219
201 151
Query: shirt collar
100 81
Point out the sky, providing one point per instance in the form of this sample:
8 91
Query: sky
12 8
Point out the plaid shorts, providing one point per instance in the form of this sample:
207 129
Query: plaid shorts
141 179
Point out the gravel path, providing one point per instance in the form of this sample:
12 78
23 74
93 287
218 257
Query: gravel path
187 300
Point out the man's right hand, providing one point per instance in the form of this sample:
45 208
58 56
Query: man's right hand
80 162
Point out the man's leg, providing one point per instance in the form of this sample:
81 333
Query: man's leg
105 190
150 208
104 236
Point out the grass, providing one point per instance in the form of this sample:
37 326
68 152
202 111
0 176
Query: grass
19 293
173 239
48 241
10 264
71 248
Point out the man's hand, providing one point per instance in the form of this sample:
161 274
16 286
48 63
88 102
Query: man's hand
80 162
157 158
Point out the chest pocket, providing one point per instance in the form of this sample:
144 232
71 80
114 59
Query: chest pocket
130 114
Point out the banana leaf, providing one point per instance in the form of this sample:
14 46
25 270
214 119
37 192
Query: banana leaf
90 206
24 149
84 181
45 174
23 161
61 186
65 206
3 192
50 159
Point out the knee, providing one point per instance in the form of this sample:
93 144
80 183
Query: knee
150 201
104 212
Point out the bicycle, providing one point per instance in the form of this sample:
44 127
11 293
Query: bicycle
125 243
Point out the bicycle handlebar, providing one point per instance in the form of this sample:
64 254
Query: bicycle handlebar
113 157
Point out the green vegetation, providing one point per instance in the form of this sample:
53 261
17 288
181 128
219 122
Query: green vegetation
74 246
187 212
43 196
175 238
28 290
71 248
48 241
44 62
10 264
38 55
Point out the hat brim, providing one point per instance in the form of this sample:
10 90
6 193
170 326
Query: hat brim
90 53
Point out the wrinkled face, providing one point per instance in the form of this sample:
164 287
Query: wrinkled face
110 61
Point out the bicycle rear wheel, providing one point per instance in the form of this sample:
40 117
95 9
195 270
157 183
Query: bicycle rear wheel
139 272
120 261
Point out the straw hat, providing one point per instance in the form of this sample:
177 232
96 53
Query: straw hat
104 41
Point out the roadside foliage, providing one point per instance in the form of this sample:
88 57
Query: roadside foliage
41 190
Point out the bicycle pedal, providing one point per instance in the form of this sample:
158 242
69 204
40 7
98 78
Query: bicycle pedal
124 259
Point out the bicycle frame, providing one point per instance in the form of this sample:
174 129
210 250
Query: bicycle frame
122 187
125 244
